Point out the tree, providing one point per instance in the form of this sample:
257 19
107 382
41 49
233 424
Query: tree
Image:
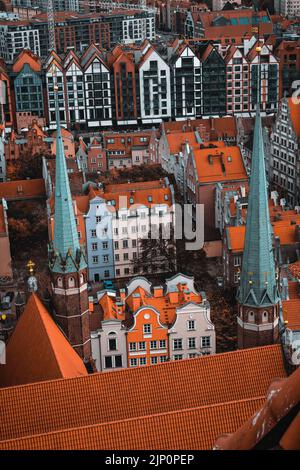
28 165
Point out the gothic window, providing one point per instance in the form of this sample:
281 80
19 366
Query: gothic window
251 317
59 282
265 317
71 282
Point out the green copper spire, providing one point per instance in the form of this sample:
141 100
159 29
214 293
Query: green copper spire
258 277
66 253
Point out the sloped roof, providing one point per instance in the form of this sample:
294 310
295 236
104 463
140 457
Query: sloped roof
38 350
172 386
283 396
220 164
22 189
195 428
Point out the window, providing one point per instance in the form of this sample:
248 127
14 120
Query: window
147 329
205 342
98 219
105 258
132 346
59 282
112 344
251 317
265 317
178 357
95 259
192 355
153 344
106 273
125 256
191 343
117 257
125 243
177 344
94 246
142 346
133 362
116 245
93 233
163 358
162 344
104 245
154 360
108 362
118 361
143 361
191 325
237 261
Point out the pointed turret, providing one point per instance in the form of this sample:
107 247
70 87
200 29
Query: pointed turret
258 295
67 260
66 251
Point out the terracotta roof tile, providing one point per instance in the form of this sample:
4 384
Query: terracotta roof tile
20 189
173 386
38 350
195 428
282 396
220 164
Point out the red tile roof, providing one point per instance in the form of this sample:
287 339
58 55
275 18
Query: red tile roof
169 387
220 164
38 350
22 189
195 428
282 397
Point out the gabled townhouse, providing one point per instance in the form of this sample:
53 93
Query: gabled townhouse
154 86
81 155
213 81
97 88
173 151
109 345
96 157
125 96
285 144
162 323
206 167
185 81
270 77
129 149
54 72
28 84
237 82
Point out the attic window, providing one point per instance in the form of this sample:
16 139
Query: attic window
229 158
149 198
166 197
210 159
131 200
20 188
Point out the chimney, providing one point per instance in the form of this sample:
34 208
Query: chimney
136 301
158 291
122 295
173 297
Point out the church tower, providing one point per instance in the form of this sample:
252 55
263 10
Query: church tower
258 295
67 260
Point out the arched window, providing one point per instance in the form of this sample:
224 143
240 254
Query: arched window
251 317
59 282
71 282
81 278
265 316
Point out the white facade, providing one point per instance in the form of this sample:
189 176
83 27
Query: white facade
287 7
155 88
14 40
238 85
137 29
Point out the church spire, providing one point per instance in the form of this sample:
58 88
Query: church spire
258 279
66 251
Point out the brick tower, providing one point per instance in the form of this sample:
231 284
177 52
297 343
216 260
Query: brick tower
257 296
67 260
